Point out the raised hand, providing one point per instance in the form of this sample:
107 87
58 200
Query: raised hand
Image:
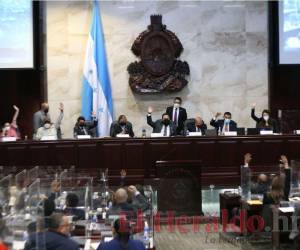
253 105
217 114
150 110
61 107
123 173
284 160
247 158
15 108
94 114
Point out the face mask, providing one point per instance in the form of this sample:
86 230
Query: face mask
166 122
227 120
266 117
176 105
6 128
47 125
122 123
81 124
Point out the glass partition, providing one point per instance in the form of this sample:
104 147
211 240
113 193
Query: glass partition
245 183
295 178
5 185
33 174
21 179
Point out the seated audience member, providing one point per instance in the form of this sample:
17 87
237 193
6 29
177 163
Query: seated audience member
122 238
163 126
225 124
49 208
72 201
11 129
49 129
83 127
261 186
280 187
177 114
122 203
122 126
195 125
42 115
3 231
56 238
265 122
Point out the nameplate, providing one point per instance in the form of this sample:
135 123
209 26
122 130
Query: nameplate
297 132
83 137
195 134
7 139
48 138
230 133
123 135
155 135
266 132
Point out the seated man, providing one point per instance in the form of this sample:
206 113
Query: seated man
195 125
225 124
50 129
83 127
122 204
163 126
122 238
261 186
11 130
71 207
122 126
56 238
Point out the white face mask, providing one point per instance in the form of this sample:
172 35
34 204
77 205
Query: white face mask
227 120
176 105
266 117
6 128
47 125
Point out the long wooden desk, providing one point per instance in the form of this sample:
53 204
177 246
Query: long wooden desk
221 156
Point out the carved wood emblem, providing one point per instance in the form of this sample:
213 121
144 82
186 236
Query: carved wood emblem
159 69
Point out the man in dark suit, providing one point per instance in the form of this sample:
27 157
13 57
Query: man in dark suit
83 127
177 114
195 125
122 126
56 238
164 125
225 124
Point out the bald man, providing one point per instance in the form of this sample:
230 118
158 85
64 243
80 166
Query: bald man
124 205
40 116
195 125
261 186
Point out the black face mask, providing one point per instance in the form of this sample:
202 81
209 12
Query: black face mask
46 110
81 124
122 123
166 122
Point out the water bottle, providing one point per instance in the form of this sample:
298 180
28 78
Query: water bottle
146 235
187 133
144 133
219 131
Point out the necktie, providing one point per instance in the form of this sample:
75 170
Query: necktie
165 131
226 127
175 116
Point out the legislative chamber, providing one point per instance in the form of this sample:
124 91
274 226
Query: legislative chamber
149 125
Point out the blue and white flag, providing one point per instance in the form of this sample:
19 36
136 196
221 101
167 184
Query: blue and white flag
96 94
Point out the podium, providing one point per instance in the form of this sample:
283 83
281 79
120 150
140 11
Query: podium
179 188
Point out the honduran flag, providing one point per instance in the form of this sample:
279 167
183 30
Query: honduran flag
96 93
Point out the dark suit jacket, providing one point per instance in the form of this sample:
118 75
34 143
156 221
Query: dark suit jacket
220 123
115 245
157 125
268 200
78 214
260 122
89 127
191 127
115 128
51 241
182 116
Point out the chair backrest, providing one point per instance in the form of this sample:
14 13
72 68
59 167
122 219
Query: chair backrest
211 132
240 131
252 131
